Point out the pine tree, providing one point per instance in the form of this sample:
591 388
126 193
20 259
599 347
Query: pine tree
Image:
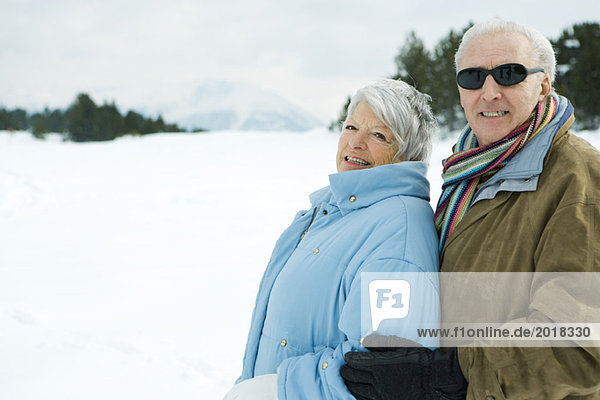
109 123
414 64
4 119
15 120
81 119
20 119
578 72
39 126
432 73
443 90
133 123
55 120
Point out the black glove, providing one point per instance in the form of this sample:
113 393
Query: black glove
403 373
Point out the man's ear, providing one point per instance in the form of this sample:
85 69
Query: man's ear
546 87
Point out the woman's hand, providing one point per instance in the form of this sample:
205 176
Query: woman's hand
262 387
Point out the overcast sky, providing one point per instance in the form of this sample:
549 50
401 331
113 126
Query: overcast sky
314 53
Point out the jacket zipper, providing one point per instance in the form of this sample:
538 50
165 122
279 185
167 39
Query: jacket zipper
315 211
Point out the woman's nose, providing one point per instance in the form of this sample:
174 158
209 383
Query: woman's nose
357 140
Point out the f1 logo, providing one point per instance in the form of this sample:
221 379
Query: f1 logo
388 299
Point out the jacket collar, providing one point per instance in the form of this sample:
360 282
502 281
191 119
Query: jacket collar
522 171
529 161
351 190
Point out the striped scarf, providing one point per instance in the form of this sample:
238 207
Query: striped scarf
470 165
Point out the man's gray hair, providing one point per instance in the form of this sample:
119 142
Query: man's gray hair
540 45
405 111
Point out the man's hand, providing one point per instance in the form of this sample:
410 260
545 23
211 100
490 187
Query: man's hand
402 373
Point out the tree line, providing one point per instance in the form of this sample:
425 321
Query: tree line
84 121
432 71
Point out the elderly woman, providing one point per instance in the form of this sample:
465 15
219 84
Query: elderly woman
374 217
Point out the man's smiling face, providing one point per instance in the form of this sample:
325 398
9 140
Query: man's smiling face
493 111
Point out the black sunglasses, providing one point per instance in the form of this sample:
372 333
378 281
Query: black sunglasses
505 75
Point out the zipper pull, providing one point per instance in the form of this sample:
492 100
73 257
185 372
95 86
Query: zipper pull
311 221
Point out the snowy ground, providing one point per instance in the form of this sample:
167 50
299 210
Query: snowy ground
128 269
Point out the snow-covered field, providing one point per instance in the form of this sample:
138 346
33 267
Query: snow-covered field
128 269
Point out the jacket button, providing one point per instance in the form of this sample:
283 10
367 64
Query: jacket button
283 343
316 252
324 212
325 365
490 398
526 180
352 199
302 237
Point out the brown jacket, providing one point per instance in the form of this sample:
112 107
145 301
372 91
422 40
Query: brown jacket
554 228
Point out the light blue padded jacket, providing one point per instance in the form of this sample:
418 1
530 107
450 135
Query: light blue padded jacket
308 309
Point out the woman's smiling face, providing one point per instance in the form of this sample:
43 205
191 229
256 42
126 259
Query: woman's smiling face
365 141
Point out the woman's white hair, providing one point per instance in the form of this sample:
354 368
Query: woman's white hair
405 111
540 45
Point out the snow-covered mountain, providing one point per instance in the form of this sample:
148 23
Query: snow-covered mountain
219 105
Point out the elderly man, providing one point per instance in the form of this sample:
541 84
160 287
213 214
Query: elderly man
520 194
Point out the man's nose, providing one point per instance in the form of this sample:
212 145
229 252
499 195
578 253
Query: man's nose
491 90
